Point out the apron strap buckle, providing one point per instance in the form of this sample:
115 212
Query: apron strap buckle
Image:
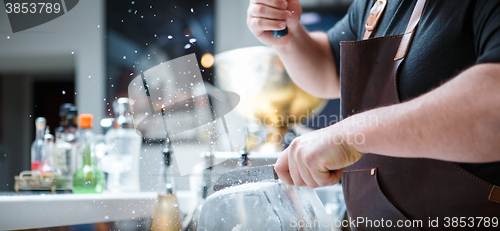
373 18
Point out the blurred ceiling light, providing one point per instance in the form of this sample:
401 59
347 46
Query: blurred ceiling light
106 122
207 60
310 18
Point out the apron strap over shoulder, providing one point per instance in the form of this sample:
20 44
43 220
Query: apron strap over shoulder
373 18
410 29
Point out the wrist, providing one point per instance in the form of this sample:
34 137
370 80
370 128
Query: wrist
346 143
353 131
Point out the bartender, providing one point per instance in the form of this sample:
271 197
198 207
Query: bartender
419 83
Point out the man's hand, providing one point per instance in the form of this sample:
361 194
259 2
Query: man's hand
264 16
317 159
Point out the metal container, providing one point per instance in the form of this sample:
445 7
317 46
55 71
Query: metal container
267 94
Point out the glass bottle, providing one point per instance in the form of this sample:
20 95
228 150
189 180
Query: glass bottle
87 179
167 215
39 147
71 136
62 155
124 147
47 163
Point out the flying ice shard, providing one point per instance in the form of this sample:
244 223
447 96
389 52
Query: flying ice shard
171 100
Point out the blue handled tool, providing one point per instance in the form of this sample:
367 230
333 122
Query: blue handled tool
280 33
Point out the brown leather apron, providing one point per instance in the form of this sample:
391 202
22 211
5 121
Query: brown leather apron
382 189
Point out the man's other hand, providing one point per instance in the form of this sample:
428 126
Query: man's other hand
266 16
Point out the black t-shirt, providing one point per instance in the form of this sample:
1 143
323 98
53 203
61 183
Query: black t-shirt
451 36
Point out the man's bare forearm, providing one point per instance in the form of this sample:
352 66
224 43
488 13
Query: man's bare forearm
309 61
458 121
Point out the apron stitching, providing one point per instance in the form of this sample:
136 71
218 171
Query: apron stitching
368 40
470 175
395 79
358 170
451 164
